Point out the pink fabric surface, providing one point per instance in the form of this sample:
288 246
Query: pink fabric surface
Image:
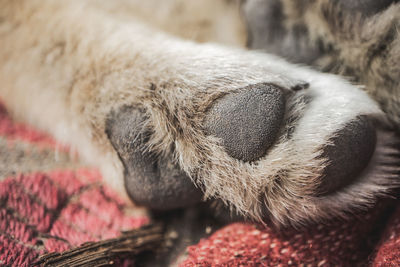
341 243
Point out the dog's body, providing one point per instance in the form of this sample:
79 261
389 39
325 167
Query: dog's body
147 107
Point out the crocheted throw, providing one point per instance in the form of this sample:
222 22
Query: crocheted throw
49 202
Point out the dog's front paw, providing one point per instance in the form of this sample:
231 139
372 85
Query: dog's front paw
172 122
285 144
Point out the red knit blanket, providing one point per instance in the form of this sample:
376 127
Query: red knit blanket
50 203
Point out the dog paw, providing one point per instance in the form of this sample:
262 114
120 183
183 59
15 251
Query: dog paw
171 122
287 148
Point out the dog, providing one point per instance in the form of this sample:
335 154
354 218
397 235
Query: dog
172 122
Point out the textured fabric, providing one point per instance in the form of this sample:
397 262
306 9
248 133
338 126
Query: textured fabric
388 250
340 244
50 203
55 211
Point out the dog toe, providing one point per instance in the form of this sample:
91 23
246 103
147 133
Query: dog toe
348 154
247 121
150 180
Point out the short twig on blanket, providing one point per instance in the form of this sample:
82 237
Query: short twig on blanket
105 252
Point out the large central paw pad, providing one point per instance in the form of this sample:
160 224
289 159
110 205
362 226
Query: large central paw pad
150 180
247 121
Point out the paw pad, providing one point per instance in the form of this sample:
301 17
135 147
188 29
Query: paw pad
150 180
247 121
350 152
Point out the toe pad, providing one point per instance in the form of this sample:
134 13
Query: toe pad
247 121
150 180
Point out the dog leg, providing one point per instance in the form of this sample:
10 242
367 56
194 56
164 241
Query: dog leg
148 109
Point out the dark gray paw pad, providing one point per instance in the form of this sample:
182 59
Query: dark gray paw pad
350 152
150 180
248 120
